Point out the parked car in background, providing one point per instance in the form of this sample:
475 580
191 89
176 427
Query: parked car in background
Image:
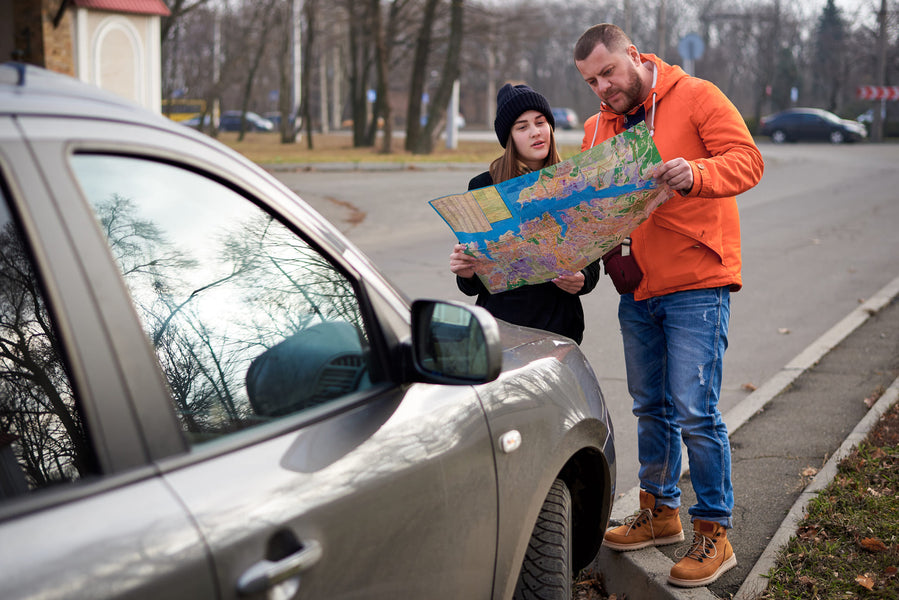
194 122
209 392
565 118
275 118
230 121
811 124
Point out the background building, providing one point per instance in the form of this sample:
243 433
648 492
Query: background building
114 44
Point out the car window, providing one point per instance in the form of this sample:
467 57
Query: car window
249 322
43 442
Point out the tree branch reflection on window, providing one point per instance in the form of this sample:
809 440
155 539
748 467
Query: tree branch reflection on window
39 422
212 298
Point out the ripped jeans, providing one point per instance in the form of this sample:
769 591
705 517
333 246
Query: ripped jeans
673 348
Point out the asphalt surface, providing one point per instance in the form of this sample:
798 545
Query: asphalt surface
787 438
803 419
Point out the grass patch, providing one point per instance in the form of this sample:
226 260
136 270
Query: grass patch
847 546
266 148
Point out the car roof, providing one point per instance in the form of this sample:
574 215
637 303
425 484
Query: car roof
806 111
30 90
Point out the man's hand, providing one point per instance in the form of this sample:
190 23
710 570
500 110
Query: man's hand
462 264
570 283
677 173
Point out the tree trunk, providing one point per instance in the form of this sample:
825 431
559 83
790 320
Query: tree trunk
262 15
310 8
382 101
285 78
419 75
360 61
437 109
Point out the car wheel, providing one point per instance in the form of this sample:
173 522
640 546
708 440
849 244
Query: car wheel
778 137
546 570
837 137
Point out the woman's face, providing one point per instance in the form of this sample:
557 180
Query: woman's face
531 135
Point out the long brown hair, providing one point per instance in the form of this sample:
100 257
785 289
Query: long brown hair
509 165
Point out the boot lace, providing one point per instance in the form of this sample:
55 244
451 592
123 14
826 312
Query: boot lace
701 548
644 515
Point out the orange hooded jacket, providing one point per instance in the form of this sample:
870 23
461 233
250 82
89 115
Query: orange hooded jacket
693 240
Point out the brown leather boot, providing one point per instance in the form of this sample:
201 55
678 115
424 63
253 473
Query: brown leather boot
650 526
708 558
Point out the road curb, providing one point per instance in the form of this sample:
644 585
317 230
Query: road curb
642 574
386 166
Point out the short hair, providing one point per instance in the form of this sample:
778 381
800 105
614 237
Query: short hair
610 36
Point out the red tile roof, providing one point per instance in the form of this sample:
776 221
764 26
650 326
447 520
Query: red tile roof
139 7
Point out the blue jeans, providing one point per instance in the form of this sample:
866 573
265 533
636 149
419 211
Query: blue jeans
673 349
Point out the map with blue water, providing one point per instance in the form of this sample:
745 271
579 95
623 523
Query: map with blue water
556 221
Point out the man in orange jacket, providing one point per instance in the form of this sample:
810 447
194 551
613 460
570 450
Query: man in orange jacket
674 321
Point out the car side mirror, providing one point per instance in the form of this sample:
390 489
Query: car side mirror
455 343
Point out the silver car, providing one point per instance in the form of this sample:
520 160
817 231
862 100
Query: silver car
207 392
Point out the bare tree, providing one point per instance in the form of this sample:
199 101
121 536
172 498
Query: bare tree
262 18
830 62
37 404
310 10
419 74
361 56
381 110
420 137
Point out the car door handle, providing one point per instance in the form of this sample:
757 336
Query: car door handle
266 573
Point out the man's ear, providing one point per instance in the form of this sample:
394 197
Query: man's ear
633 54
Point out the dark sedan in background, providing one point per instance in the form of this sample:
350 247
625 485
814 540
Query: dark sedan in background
811 124
230 121
208 392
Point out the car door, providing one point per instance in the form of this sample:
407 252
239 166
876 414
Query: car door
310 473
816 128
83 513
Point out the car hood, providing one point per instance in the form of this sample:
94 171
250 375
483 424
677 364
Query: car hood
855 126
523 345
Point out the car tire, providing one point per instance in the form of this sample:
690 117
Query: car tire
778 137
546 570
837 137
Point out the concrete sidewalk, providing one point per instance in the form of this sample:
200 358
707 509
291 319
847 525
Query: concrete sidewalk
787 438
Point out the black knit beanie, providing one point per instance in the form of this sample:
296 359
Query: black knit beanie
511 101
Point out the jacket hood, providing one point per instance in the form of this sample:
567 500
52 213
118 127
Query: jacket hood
666 76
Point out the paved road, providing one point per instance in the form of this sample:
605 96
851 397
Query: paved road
818 237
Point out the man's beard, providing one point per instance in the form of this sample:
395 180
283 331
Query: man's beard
630 94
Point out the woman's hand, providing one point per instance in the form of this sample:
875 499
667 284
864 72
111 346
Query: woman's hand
462 264
570 283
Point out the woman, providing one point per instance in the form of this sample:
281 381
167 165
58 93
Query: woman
524 126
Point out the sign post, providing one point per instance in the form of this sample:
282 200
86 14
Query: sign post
690 49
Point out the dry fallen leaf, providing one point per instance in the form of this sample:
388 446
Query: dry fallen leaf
809 472
890 571
783 331
873 492
750 387
870 401
808 532
865 581
873 545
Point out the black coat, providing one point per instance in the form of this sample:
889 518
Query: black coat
543 306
